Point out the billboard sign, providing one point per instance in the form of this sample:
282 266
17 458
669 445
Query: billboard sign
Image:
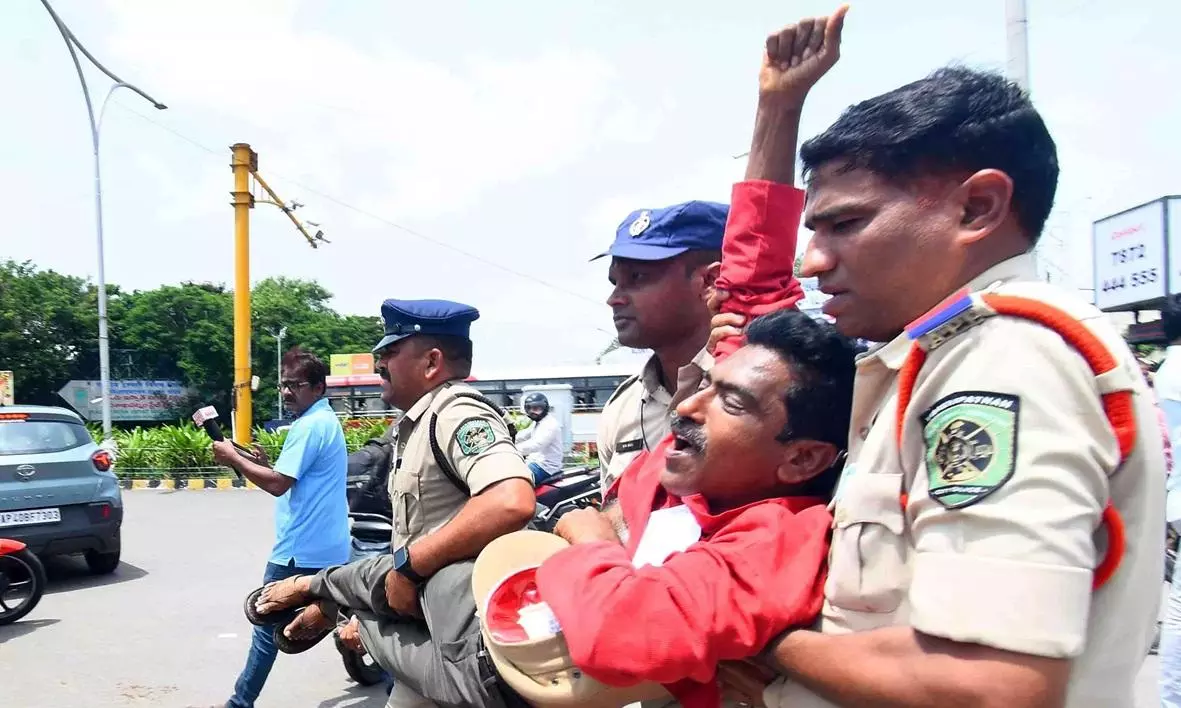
1130 256
1173 234
351 364
131 401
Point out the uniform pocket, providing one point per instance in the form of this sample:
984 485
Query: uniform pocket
868 570
404 495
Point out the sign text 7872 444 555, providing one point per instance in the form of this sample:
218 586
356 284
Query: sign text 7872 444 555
1129 253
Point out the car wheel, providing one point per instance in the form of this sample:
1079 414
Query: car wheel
102 563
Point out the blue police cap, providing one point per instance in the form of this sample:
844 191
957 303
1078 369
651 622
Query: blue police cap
406 318
657 234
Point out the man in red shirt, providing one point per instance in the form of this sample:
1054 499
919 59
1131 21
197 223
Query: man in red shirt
720 537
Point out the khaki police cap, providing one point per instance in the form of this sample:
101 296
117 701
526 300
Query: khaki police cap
540 670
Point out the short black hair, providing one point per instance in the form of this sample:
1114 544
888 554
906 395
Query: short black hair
457 351
307 366
820 401
699 258
956 119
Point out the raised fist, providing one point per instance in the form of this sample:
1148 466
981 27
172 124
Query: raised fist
799 54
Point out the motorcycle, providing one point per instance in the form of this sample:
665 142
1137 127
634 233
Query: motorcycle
568 489
22 581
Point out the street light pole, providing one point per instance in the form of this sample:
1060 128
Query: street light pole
279 368
1017 43
104 344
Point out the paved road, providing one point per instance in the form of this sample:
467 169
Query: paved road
167 629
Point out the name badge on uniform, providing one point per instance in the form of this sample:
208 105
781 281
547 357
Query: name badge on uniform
629 446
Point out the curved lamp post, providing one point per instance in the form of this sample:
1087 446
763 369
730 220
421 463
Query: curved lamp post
104 352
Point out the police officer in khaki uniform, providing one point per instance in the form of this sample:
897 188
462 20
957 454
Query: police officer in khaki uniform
663 266
458 483
998 528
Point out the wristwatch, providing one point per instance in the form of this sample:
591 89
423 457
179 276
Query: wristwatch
402 565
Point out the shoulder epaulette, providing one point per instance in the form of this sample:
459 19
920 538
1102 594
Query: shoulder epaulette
622 387
954 315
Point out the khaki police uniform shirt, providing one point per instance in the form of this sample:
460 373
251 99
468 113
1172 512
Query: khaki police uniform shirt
473 437
1011 569
637 415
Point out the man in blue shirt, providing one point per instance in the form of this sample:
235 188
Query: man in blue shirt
311 510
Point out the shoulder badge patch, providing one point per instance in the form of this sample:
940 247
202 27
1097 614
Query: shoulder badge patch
474 436
971 446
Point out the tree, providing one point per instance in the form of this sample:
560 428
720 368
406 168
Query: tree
192 327
302 307
48 326
49 333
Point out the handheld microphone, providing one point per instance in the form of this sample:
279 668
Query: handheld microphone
207 418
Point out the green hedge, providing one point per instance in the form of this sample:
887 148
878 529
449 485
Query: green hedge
183 451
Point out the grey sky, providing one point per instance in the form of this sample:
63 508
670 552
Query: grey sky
520 133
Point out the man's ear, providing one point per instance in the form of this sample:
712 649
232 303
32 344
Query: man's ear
709 279
805 459
986 199
434 362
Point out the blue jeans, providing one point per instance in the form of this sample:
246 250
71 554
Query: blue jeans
538 471
262 647
1170 647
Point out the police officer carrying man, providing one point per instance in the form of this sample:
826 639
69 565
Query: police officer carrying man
458 483
663 265
998 528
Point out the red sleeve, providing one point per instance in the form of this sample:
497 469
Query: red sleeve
759 252
724 598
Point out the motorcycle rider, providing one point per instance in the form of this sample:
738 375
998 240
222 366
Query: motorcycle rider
541 443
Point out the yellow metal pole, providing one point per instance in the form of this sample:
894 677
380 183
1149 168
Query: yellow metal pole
244 162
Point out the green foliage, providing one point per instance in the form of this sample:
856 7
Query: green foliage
48 327
183 451
49 333
520 420
184 447
358 431
138 452
302 307
190 329
271 443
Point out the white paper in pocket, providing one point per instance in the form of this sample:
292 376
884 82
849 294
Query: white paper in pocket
668 531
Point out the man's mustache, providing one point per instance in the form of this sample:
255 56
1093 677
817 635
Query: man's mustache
690 432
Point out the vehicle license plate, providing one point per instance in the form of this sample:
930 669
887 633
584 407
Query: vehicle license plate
30 517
